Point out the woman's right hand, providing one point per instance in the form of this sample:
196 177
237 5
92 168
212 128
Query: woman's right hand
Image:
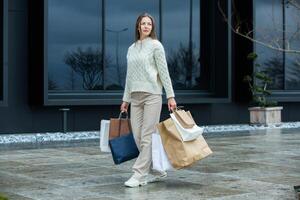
124 106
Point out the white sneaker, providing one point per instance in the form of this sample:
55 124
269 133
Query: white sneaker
151 178
135 182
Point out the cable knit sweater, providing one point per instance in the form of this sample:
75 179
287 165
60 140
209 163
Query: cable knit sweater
147 69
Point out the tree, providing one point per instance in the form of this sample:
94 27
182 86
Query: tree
274 69
52 85
89 65
180 63
293 81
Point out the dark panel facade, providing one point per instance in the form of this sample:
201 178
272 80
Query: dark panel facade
213 90
3 52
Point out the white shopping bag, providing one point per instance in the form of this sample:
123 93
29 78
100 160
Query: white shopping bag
187 134
160 161
104 135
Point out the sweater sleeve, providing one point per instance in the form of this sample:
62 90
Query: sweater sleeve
126 95
162 67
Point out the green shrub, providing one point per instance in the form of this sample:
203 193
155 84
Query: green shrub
2 197
258 84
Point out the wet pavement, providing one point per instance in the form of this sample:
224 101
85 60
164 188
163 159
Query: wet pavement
255 165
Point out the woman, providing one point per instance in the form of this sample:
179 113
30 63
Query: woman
147 73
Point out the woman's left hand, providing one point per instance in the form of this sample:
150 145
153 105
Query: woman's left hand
171 103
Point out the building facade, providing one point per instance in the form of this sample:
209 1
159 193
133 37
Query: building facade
71 54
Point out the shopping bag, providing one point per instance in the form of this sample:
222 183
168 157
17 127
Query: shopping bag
184 118
123 148
181 154
121 143
119 126
104 135
160 161
187 134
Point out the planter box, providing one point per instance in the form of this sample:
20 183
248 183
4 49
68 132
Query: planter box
269 115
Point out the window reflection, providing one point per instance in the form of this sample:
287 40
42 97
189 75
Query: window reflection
181 37
292 21
283 68
268 28
2 50
120 34
75 61
1 83
74 45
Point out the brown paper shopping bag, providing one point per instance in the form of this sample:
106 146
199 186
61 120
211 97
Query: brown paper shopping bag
119 126
184 118
181 154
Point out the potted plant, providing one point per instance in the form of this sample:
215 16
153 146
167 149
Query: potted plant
263 111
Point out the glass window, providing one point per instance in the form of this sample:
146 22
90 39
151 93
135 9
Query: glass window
120 34
268 29
277 23
292 34
74 45
3 52
181 38
1 84
77 32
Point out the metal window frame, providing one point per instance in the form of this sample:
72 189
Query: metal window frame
4 100
70 98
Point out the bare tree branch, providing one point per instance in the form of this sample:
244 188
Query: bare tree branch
275 45
294 3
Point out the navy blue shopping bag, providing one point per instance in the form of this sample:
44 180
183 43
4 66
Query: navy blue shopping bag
123 148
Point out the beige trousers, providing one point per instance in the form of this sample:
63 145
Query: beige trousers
145 115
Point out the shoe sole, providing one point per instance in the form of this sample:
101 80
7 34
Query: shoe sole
160 178
138 185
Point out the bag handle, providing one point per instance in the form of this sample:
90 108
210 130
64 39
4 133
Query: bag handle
120 116
177 108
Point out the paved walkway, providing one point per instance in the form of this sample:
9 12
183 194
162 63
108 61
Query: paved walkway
262 165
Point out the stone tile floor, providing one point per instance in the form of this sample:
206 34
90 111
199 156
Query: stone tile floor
259 165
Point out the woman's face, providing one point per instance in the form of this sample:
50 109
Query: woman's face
145 27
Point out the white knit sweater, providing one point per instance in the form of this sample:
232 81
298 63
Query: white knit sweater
147 69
